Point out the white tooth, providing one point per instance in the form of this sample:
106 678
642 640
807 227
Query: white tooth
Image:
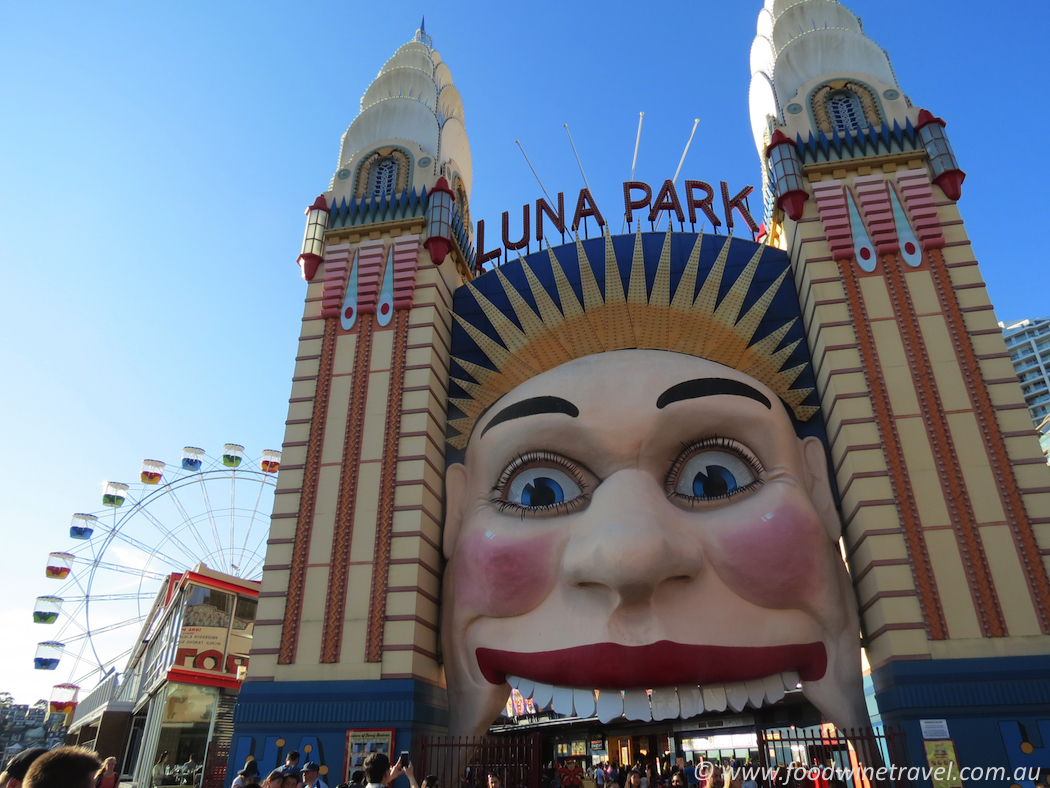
514 681
736 695
756 692
714 697
636 705
790 679
610 705
691 701
527 688
665 703
583 701
542 694
562 701
774 688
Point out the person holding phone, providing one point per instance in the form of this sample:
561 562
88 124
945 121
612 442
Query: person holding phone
380 773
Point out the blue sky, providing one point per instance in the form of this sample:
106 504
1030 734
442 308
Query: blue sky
155 161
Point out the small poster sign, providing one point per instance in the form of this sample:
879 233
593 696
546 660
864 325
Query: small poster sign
934 729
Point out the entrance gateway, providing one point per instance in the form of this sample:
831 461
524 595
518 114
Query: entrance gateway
656 440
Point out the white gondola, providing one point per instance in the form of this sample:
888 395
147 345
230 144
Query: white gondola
232 454
152 471
47 609
48 655
192 458
271 460
83 526
114 494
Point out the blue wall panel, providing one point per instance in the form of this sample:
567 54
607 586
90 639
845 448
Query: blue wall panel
312 717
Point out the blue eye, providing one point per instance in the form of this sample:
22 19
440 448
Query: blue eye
709 475
541 487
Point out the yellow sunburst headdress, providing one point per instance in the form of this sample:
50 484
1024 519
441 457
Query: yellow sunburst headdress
548 336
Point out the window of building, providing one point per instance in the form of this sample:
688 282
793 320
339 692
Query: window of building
845 111
382 178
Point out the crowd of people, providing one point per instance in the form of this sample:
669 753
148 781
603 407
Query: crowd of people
378 772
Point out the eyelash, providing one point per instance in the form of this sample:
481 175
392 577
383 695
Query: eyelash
523 461
713 442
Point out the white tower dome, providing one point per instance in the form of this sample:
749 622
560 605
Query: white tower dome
413 115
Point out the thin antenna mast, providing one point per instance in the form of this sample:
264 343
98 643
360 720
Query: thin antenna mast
544 188
681 161
574 153
634 161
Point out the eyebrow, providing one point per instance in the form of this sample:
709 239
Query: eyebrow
710 387
532 407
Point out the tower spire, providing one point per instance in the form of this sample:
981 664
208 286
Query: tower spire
421 34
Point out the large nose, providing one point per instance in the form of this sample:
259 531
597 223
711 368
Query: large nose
631 540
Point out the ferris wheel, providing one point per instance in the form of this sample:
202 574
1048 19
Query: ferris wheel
203 509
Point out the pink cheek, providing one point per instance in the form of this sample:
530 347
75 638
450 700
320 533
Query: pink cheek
775 562
504 576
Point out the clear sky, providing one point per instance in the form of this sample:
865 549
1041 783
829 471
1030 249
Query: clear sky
155 161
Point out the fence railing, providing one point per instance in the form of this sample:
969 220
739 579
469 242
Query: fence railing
465 761
827 756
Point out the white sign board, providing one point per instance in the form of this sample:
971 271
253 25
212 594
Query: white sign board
934 729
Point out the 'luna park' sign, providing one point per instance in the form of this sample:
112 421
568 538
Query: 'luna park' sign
699 195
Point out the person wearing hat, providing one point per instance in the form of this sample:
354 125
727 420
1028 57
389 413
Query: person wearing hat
18 766
312 775
249 775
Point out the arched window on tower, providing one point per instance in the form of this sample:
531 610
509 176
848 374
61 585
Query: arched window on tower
382 178
845 111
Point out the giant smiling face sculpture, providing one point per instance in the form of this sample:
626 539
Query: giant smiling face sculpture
643 519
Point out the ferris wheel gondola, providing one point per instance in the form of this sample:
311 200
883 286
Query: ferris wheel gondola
214 511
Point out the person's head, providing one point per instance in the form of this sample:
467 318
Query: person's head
66 767
18 766
162 758
634 778
292 758
274 779
494 780
110 764
358 777
677 779
311 771
250 770
377 768
290 781
431 781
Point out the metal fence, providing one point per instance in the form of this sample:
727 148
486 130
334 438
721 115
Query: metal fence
827 756
465 761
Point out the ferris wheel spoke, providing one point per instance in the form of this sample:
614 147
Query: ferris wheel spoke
140 545
233 510
187 519
103 630
129 570
103 667
211 514
130 596
141 509
251 524
78 658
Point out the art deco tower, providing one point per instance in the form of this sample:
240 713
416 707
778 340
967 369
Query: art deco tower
945 494
347 629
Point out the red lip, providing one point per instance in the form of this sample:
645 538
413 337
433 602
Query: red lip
660 664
